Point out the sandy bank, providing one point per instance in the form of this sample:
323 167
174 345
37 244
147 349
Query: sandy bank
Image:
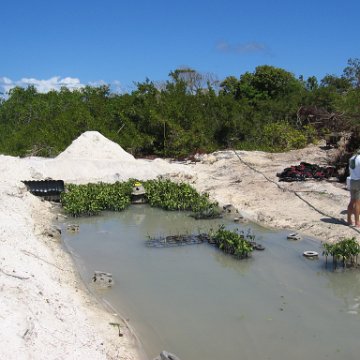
46 312
248 181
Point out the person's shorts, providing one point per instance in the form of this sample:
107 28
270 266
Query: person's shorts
355 189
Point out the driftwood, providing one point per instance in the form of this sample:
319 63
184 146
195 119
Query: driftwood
320 118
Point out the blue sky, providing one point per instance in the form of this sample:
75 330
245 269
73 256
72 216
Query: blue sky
79 42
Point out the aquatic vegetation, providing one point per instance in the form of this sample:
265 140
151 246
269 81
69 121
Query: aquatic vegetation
168 195
211 212
345 250
232 242
235 242
91 199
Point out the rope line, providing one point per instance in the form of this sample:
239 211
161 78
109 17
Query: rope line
340 221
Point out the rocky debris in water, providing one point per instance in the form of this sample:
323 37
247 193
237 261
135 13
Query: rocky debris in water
103 279
210 213
294 236
53 232
164 355
256 246
240 218
229 208
73 227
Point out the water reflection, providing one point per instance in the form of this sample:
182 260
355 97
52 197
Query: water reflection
345 285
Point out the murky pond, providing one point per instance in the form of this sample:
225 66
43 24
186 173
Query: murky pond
199 303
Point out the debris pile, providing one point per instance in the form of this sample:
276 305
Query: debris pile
306 171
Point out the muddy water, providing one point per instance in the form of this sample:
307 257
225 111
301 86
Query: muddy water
198 303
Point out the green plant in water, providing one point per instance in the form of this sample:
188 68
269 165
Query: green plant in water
168 195
345 250
232 242
91 199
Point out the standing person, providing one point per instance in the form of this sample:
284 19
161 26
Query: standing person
354 205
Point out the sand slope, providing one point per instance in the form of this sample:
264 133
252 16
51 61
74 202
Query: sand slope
248 181
45 311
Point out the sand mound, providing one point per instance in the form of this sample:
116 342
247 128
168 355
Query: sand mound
93 145
90 158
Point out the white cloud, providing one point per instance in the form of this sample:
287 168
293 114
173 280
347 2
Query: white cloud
43 86
5 84
55 83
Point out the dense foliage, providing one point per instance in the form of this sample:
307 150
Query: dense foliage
91 199
189 112
168 195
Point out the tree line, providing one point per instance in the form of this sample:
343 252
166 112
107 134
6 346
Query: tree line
190 112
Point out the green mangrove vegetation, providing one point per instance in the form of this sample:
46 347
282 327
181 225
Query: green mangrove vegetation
91 199
230 242
168 195
345 250
267 109
233 242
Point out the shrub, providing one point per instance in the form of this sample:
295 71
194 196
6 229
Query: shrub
346 250
232 243
171 196
280 136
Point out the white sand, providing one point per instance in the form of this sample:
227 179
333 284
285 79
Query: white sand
45 311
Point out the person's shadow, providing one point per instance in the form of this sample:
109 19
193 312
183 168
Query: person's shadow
339 222
334 221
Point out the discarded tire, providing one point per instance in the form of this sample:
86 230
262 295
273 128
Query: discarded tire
259 247
311 254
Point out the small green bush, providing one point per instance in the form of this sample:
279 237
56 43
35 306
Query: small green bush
232 243
281 136
172 196
345 250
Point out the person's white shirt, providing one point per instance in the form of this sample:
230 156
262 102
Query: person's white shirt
355 173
